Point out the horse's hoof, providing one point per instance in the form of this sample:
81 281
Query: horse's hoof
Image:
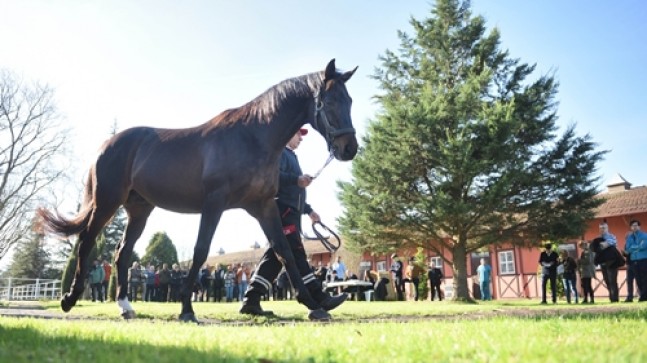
66 305
319 315
189 318
128 314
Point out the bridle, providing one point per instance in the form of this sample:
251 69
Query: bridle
323 125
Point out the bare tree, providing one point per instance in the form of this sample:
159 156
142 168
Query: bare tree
31 144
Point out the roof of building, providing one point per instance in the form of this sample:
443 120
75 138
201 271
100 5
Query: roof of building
626 202
312 247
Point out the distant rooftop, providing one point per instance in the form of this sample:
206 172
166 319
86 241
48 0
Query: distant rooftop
621 199
249 256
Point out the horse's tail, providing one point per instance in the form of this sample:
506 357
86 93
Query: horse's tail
57 224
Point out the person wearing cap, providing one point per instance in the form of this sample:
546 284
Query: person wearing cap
291 202
548 262
636 248
609 271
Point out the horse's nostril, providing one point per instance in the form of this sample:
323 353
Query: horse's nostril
349 152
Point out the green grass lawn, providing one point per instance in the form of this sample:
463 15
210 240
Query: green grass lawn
509 331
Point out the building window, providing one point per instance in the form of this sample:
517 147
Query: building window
569 248
380 266
438 263
506 262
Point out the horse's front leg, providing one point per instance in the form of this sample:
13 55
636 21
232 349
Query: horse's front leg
211 214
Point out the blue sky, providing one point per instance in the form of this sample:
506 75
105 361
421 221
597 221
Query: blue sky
177 64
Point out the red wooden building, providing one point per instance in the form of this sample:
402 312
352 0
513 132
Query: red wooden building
515 270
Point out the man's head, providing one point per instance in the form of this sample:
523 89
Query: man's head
634 225
548 246
604 227
297 138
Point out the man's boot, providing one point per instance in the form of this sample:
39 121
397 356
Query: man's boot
317 313
252 305
326 301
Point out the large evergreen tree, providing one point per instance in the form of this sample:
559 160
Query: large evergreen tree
160 250
464 152
31 259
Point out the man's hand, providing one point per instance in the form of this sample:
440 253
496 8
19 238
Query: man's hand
314 216
304 181
604 245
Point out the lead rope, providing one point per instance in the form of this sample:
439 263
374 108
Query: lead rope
331 246
330 157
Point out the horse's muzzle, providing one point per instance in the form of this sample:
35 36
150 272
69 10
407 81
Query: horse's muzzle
344 147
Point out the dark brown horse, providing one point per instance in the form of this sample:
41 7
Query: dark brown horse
231 161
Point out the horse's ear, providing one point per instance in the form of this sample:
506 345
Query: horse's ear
331 70
346 76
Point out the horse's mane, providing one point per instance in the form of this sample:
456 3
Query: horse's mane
266 104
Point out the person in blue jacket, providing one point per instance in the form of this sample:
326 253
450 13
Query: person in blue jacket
636 248
484 272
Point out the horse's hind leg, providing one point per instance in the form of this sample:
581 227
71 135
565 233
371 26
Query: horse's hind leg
100 216
138 211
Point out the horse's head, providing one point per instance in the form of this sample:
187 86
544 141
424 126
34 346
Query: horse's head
332 113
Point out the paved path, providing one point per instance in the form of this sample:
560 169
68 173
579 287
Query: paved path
30 309
35 310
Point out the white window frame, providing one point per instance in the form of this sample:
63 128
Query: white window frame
380 266
438 263
506 263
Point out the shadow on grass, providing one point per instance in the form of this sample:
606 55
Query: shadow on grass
27 344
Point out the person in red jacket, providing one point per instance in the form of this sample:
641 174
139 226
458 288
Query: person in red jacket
107 270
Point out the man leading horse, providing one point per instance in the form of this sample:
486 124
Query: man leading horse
291 201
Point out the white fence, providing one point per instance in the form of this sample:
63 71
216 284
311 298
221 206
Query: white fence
29 289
